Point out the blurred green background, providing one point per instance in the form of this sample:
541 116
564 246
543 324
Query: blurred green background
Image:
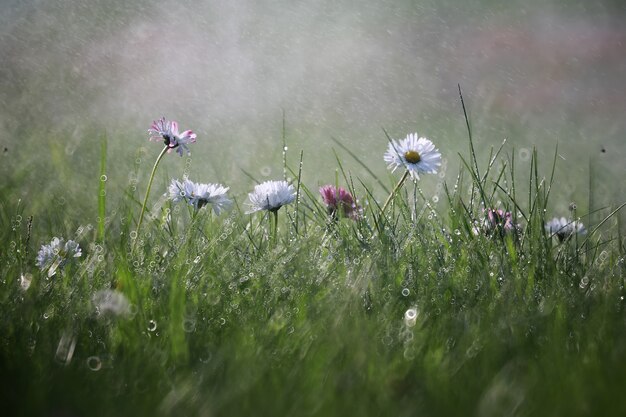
534 72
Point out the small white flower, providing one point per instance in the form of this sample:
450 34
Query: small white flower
564 229
413 153
271 195
167 131
25 280
199 195
111 302
56 254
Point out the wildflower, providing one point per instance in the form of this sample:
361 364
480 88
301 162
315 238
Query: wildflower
56 254
111 302
25 281
498 222
413 153
168 131
198 195
271 196
339 202
564 229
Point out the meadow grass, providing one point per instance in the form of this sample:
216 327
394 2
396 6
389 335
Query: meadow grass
410 311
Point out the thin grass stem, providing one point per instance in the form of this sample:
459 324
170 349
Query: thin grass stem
395 190
145 200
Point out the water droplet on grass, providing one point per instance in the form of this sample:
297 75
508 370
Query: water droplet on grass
189 325
206 358
152 325
410 316
583 282
65 348
94 363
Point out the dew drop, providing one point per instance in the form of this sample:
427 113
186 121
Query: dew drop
524 154
94 363
410 317
65 348
583 283
152 325
189 325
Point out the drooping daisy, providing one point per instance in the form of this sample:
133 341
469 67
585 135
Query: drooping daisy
56 254
198 195
564 229
413 153
167 131
339 202
271 196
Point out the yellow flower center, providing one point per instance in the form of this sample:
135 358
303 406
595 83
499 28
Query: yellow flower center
412 157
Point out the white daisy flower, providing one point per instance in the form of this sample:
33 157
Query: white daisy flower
271 195
56 254
564 229
413 153
199 195
167 131
112 303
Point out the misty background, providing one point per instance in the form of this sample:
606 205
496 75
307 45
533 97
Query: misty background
534 72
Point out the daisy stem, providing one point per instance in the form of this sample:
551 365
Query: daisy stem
395 190
275 228
145 200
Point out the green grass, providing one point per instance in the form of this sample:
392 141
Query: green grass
226 321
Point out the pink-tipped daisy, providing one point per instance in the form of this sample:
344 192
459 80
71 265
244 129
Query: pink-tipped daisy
339 202
167 131
500 222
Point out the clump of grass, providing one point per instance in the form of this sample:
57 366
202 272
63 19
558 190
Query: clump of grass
402 311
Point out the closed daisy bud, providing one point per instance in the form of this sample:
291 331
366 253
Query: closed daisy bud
339 202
